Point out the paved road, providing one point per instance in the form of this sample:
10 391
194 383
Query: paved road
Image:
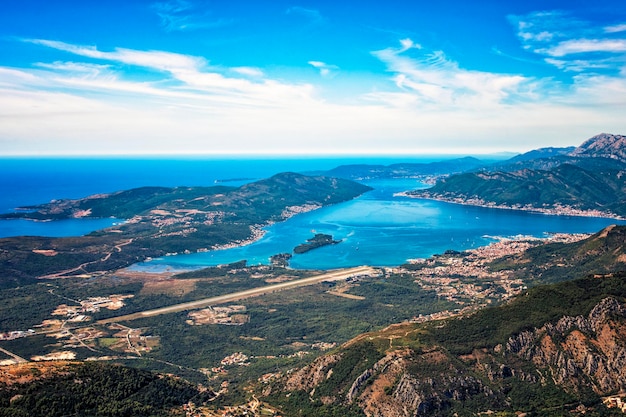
227 298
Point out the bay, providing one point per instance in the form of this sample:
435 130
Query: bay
381 229
377 228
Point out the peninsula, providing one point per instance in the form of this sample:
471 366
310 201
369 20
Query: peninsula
161 221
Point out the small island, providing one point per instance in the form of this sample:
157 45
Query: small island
315 242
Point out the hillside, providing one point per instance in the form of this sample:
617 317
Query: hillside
555 350
162 220
588 180
91 389
602 253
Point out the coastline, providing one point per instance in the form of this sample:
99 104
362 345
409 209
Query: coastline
478 202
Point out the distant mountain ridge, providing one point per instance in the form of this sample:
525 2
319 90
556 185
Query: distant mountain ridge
588 178
406 170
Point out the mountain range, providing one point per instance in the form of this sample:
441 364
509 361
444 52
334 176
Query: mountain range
589 178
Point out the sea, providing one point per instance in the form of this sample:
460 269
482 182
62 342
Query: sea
378 228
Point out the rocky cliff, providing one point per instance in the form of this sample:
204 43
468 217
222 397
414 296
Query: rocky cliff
604 145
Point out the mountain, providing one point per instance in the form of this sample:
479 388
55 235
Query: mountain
92 389
602 253
604 145
554 350
406 170
160 221
590 178
541 153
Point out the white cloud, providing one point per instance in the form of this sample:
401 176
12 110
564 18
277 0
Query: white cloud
438 81
615 28
190 73
157 60
577 46
249 71
425 103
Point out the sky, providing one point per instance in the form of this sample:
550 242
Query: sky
200 77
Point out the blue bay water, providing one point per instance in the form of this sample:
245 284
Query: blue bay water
376 229
57 228
381 229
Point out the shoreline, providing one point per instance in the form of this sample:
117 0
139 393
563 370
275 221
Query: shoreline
555 211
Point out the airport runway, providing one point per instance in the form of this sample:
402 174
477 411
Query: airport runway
254 292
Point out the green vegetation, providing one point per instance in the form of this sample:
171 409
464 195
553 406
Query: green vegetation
91 389
564 185
315 242
162 220
540 305
602 253
406 170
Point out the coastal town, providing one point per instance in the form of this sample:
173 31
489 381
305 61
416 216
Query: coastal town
466 279
554 209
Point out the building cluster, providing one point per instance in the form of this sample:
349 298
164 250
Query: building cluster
615 402
16 334
466 278
76 313
291 211
233 315
236 358
556 209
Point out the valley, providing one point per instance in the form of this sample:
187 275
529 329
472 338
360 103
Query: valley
524 325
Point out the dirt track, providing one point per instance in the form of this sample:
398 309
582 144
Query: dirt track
227 298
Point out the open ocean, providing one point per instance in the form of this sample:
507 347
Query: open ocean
377 228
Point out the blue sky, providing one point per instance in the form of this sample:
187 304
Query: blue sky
310 77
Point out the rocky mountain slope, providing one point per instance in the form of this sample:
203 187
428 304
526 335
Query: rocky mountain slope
563 365
604 145
591 178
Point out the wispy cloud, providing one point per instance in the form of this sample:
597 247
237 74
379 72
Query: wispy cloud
159 60
249 71
615 28
142 101
434 79
570 43
326 70
312 15
578 46
180 73
182 15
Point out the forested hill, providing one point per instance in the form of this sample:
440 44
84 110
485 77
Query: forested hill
93 389
163 220
275 193
591 177
601 254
